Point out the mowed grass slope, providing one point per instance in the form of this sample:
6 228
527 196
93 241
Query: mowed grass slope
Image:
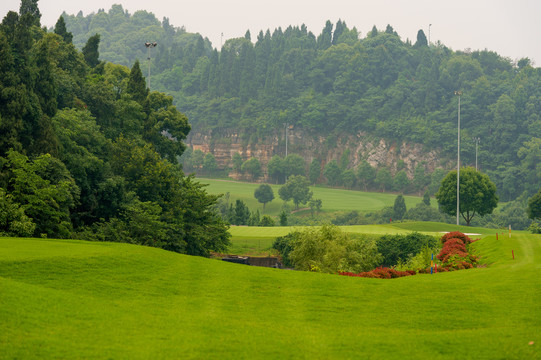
75 299
332 199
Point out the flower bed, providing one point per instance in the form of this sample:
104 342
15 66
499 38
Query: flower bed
380 273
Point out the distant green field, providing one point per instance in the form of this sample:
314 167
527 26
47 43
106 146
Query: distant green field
333 199
76 299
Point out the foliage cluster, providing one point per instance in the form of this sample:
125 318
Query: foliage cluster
328 250
284 246
87 151
238 213
534 206
339 81
396 249
297 189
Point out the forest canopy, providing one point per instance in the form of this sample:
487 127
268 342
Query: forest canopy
339 81
87 151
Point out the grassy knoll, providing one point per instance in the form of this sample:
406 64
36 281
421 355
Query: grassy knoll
75 299
333 199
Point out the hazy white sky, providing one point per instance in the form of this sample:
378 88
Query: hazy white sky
511 28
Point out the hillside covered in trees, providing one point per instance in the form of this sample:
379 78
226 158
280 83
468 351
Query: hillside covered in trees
340 81
87 151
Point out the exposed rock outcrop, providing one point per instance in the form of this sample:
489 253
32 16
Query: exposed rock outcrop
356 147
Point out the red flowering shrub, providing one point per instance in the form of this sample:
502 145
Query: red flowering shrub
454 253
450 248
456 235
380 273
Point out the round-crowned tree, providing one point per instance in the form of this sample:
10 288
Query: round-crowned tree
264 194
296 189
477 194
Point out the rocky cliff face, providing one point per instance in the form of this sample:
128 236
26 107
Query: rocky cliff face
356 147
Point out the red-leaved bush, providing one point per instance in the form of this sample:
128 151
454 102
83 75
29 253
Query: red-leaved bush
380 273
456 235
452 247
454 253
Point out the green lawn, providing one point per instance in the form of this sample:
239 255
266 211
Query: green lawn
333 199
75 299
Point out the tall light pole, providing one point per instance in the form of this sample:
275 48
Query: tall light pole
429 25
286 125
477 140
149 46
458 93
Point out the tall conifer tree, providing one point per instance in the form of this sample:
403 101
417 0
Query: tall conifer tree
60 29
30 7
90 51
136 84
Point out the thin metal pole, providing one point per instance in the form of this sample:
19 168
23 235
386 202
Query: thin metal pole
458 166
287 125
149 45
476 148
149 68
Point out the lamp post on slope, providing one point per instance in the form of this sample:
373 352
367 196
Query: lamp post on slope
458 93
477 140
149 46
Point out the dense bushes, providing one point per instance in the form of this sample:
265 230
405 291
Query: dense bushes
399 248
284 245
328 249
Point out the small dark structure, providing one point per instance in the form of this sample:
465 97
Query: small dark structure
237 259
254 261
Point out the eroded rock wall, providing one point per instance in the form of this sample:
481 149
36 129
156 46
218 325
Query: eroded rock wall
357 147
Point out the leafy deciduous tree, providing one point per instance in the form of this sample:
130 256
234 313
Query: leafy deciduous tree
297 189
477 194
209 164
330 250
534 206
252 166
237 162
264 194
315 171
333 173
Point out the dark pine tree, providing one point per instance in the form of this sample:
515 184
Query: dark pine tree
12 94
324 40
421 39
136 84
339 30
30 8
90 51
60 29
